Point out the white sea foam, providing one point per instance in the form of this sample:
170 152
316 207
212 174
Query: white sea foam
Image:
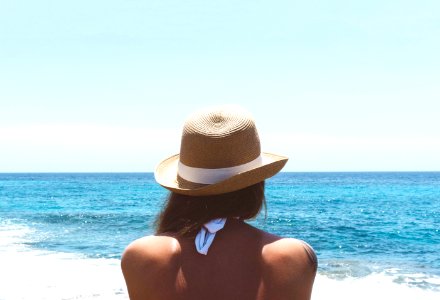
30 274
27 273
379 286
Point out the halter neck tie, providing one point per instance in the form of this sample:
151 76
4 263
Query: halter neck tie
206 235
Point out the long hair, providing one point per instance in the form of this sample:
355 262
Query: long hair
184 215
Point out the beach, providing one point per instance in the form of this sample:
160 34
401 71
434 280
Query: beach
376 234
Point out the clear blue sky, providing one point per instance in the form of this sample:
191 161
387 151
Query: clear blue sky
106 85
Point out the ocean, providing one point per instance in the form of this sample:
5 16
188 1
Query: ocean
377 235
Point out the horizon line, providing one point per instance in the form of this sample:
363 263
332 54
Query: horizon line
152 172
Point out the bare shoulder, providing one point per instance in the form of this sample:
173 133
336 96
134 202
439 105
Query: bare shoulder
145 262
294 252
150 250
289 269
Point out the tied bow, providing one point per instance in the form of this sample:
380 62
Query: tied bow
206 235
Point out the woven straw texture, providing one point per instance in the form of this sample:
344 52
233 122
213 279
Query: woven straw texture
220 138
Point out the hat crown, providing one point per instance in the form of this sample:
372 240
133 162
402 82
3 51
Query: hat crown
219 138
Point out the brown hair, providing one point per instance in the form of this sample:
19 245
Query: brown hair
184 215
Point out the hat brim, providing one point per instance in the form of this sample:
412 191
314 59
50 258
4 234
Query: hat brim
166 175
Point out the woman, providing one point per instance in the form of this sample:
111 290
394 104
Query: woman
203 249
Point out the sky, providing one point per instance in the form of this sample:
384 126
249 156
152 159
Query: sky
105 86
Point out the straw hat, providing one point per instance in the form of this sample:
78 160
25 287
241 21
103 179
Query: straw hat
219 153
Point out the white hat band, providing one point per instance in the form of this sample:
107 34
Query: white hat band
211 176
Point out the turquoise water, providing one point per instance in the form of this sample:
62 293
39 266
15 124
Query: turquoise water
359 223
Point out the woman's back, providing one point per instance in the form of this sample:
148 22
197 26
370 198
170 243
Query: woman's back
243 263
219 175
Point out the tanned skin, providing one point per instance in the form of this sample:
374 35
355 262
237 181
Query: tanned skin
242 263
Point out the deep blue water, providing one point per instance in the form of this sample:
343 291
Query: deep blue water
358 223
